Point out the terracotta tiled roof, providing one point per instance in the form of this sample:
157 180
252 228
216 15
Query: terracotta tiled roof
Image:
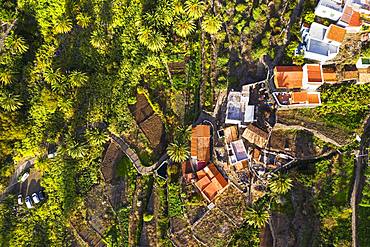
256 154
329 75
220 181
314 73
288 76
304 97
299 97
200 142
211 170
351 17
210 191
201 174
336 33
313 98
203 182
211 182
255 135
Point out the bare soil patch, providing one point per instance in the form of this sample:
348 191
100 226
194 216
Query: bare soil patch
233 203
214 229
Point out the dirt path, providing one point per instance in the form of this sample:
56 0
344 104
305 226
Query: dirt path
361 163
315 132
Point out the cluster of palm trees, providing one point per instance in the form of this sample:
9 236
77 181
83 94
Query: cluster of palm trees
258 215
181 17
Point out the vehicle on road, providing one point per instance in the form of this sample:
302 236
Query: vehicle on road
20 202
28 202
24 177
41 195
35 198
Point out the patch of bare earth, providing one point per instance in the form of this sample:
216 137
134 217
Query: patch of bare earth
233 203
295 117
214 229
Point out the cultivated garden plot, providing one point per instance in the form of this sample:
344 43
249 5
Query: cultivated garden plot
214 229
233 203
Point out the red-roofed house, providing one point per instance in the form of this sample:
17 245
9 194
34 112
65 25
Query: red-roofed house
350 19
210 182
288 77
200 144
312 77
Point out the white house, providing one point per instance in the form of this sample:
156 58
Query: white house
329 9
321 43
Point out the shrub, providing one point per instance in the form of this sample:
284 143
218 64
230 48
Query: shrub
148 217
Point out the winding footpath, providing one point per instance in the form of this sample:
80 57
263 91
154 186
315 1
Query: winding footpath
131 154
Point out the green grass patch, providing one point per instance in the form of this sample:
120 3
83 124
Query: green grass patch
364 226
123 165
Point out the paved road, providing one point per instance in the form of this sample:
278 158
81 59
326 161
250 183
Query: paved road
144 170
14 179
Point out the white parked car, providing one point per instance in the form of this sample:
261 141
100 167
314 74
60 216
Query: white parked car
35 198
28 202
20 202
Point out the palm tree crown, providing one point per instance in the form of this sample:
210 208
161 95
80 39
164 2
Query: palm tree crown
183 27
178 152
194 8
280 185
257 217
211 24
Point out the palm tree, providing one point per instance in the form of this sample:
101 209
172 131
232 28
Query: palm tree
77 78
63 26
76 150
211 24
153 40
183 134
83 20
177 8
6 77
183 27
194 8
98 41
280 184
17 44
178 152
10 102
96 136
257 217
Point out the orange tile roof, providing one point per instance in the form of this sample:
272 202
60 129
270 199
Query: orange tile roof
256 154
313 98
288 76
219 181
201 174
200 142
211 170
314 73
336 33
202 183
210 191
299 97
329 74
187 171
351 17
